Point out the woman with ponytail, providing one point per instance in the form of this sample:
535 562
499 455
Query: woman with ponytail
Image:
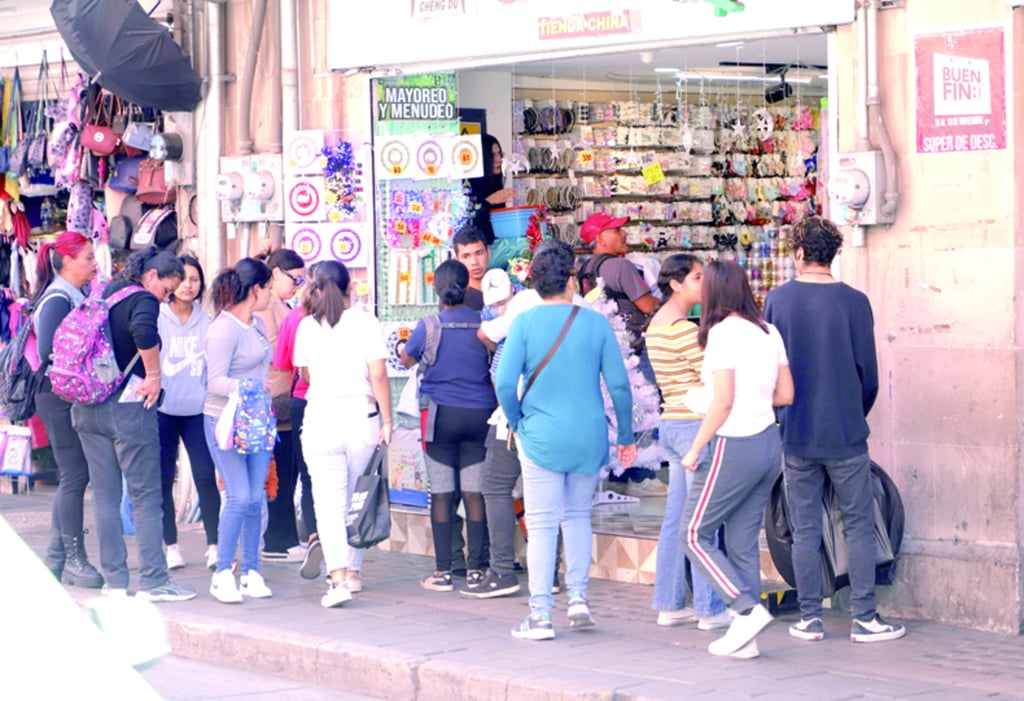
122 438
677 359
340 352
238 351
460 398
64 269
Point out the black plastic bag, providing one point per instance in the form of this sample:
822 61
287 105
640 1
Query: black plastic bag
368 520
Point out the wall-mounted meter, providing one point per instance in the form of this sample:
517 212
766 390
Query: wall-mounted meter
857 188
249 188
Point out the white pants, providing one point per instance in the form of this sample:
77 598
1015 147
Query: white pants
337 442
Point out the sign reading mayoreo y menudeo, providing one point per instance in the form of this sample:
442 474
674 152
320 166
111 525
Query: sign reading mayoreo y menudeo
589 24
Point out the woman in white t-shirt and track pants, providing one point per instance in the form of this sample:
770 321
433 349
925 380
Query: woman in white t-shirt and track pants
747 371
340 352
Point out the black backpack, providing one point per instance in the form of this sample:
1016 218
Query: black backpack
18 381
588 274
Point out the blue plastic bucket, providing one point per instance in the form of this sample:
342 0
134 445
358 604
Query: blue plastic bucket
512 222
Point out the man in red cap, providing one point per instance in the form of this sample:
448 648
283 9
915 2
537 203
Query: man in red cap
624 284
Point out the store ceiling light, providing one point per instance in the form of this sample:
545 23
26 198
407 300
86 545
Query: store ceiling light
728 44
667 70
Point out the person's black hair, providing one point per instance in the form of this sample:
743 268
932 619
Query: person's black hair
450 282
487 144
467 236
726 291
188 259
165 263
675 268
332 281
819 238
233 285
552 266
283 258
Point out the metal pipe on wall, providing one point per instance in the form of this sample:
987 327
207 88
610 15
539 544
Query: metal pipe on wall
289 68
212 243
863 133
245 144
874 110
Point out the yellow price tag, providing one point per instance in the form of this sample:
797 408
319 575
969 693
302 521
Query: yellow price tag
400 227
431 169
362 289
403 333
585 158
396 169
428 278
653 173
416 207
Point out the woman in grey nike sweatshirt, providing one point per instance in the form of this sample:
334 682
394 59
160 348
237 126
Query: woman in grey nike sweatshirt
182 324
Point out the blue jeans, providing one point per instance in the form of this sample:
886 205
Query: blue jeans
851 479
123 439
244 479
676 437
552 497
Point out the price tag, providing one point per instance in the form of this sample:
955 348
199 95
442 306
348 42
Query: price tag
404 277
653 173
465 157
397 169
400 227
404 332
428 278
399 197
585 159
431 169
416 207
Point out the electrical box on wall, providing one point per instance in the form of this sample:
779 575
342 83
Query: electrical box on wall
249 188
175 145
857 189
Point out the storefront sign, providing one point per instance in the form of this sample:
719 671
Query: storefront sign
410 104
961 91
589 24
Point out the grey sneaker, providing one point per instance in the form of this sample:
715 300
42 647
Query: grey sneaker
491 586
876 630
536 626
311 560
811 629
579 613
168 591
439 581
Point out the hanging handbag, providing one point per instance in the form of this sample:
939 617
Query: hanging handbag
153 188
138 133
125 177
510 441
157 227
120 119
37 146
80 208
97 135
18 160
5 125
368 519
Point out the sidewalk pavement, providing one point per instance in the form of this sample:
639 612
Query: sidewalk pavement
397 641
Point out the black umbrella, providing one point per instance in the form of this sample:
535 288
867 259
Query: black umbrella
127 52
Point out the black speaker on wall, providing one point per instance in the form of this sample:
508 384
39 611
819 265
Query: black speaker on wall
778 93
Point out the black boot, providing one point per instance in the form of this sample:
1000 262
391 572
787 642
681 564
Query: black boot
54 557
77 570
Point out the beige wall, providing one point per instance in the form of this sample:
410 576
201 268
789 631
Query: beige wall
942 281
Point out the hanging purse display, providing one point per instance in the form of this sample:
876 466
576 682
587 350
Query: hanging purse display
153 188
37 145
125 177
138 133
97 135
18 159
158 227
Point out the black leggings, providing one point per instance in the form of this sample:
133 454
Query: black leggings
73 470
190 430
298 412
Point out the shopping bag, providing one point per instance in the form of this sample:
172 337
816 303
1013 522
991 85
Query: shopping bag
368 520
224 431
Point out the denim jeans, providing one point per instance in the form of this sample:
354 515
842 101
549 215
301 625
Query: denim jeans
244 479
338 439
552 498
501 472
851 479
676 437
124 439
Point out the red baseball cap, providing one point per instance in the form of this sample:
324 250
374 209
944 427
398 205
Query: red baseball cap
598 222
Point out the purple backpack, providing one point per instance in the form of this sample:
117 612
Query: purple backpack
84 368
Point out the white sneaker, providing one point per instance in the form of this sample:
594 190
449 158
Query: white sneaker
650 487
723 619
742 630
353 581
337 595
296 553
747 652
211 558
175 561
115 592
223 589
675 618
254 587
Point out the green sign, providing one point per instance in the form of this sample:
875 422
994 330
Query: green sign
416 103
724 7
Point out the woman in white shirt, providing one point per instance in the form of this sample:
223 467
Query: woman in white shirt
340 352
747 371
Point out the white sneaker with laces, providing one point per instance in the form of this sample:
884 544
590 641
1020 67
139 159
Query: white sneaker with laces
742 630
211 558
175 560
876 630
650 487
675 618
337 595
223 589
723 619
747 652
254 587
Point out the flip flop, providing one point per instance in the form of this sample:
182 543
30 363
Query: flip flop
610 497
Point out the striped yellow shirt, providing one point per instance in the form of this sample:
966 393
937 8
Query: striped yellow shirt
677 359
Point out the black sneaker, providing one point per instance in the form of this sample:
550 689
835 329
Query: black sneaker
876 630
490 586
439 581
809 629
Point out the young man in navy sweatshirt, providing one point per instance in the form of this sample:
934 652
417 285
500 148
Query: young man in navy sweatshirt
828 329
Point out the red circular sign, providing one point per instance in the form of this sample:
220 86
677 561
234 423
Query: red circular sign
304 199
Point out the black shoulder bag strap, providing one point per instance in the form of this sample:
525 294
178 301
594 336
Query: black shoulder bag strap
554 347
